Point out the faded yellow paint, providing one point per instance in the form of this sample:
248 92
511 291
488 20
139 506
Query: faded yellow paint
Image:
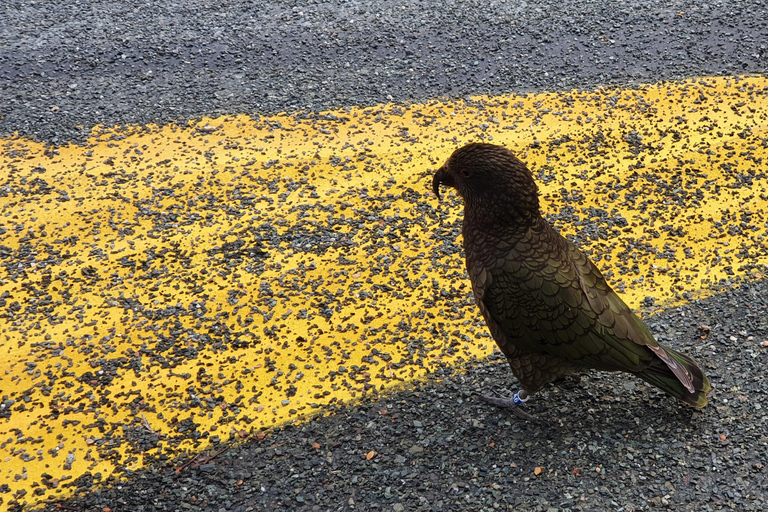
166 285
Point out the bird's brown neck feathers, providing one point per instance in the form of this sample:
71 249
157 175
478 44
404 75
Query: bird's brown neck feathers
498 189
503 239
507 213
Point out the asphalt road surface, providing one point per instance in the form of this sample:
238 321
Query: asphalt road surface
65 67
608 441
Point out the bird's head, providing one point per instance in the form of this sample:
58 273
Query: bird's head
490 178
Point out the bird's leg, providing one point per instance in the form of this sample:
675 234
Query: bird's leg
511 404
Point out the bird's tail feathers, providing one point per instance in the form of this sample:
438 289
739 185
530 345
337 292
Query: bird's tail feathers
662 375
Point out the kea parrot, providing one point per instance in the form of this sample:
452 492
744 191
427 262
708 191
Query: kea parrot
547 306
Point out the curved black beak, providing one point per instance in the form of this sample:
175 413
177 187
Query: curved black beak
441 177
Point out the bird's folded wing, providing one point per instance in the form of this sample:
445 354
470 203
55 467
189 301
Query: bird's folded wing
542 304
617 318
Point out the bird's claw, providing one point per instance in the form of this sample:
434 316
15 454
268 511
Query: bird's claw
510 405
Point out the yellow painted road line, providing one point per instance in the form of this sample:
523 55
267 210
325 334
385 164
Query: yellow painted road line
168 287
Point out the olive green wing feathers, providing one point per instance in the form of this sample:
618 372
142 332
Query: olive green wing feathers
546 297
535 296
618 319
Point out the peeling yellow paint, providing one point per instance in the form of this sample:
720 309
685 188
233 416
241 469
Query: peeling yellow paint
167 285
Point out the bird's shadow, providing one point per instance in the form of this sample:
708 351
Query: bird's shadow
599 402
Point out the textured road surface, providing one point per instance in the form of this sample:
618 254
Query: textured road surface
610 443
66 66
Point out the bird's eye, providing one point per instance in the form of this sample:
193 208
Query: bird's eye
465 173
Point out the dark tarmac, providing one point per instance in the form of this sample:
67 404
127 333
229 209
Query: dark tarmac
65 67
610 442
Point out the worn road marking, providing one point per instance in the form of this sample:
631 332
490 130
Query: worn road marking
165 288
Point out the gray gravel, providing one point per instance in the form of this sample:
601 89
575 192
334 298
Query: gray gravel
65 66
437 449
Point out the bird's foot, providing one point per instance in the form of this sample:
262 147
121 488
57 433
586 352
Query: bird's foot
511 404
